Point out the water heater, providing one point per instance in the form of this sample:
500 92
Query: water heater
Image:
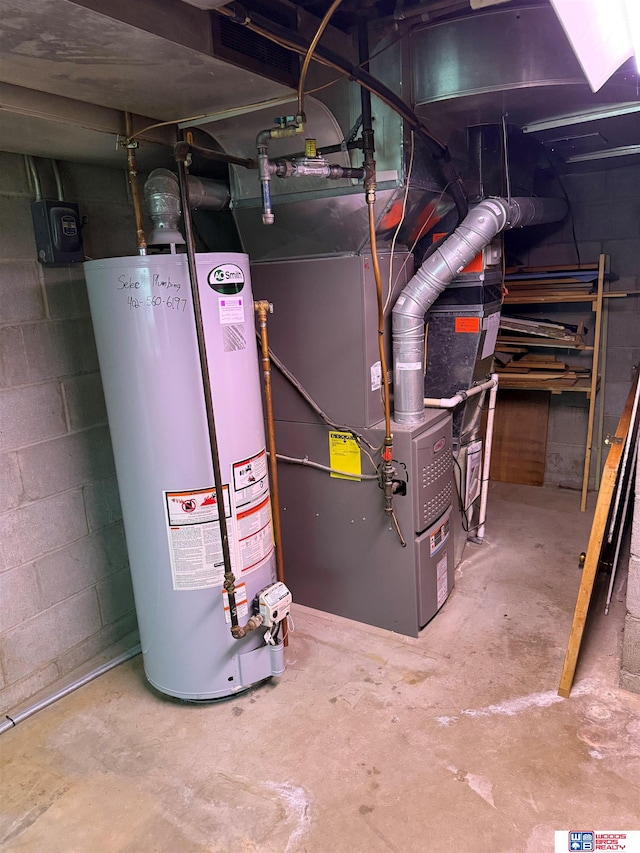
145 331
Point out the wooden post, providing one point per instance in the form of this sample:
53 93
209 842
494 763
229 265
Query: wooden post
595 362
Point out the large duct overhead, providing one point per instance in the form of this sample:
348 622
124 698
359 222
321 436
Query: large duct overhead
514 62
315 217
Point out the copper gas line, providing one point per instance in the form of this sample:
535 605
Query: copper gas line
133 183
262 308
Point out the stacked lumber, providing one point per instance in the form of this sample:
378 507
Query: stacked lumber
550 284
530 370
540 328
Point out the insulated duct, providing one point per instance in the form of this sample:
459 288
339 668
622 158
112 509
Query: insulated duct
162 195
476 231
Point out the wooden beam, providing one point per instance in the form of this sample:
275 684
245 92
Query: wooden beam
594 382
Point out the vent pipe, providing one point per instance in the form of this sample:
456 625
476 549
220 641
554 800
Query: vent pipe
162 195
476 231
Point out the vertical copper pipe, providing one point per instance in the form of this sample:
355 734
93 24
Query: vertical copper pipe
133 184
262 308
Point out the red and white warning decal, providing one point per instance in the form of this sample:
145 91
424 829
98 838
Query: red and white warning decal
195 544
242 605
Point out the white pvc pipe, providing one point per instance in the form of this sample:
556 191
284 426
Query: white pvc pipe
460 397
479 537
11 721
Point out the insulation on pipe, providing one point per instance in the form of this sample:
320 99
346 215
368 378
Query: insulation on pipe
476 231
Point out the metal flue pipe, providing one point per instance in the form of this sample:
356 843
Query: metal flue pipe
479 227
162 195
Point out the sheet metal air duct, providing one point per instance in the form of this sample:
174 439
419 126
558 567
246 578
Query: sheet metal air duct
476 231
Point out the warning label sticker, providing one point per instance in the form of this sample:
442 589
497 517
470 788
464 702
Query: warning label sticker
439 537
255 535
250 480
443 585
195 544
252 511
242 605
467 324
344 455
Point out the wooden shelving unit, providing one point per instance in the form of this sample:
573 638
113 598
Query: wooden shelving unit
586 283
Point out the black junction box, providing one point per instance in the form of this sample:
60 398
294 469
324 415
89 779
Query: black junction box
56 226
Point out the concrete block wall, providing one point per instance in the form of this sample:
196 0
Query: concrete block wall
65 588
606 218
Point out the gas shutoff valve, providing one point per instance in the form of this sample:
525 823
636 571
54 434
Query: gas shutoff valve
275 604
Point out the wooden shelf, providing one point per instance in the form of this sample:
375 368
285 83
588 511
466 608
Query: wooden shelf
514 382
561 285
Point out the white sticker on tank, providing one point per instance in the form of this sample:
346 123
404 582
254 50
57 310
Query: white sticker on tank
443 582
195 544
231 309
242 605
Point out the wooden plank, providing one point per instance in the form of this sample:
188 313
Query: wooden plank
549 343
556 386
551 268
537 375
594 548
520 437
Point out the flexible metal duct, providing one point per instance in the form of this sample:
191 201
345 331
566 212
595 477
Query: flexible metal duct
476 231
162 195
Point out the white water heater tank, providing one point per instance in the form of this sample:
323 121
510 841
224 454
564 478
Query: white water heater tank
143 318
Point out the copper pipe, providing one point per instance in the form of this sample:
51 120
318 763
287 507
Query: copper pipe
383 356
262 308
307 57
133 184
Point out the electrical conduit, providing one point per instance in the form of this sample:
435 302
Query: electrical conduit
12 720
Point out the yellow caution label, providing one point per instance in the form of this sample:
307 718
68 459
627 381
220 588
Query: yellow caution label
344 455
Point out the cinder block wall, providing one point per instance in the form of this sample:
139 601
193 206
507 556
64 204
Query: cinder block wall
65 589
606 218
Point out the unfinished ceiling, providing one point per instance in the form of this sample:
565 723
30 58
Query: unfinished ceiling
69 69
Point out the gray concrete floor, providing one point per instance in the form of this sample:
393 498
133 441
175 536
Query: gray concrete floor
370 741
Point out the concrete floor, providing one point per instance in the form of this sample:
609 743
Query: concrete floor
370 741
